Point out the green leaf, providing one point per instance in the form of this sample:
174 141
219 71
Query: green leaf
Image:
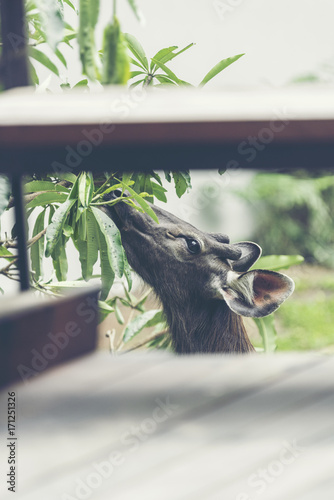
126 178
107 274
136 49
168 176
43 59
136 11
277 262
54 230
141 202
182 182
34 186
146 187
59 259
145 320
67 38
167 54
46 198
104 310
218 68
127 272
65 285
88 248
94 12
136 73
136 63
168 71
81 217
267 331
138 82
68 230
119 315
81 83
116 61
67 176
164 80
37 249
4 252
112 237
179 52
51 213
162 55
52 21
86 38
4 193
86 188
74 194
159 192
33 73
105 306
70 4
61 57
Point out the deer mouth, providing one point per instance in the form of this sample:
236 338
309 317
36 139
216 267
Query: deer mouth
124 216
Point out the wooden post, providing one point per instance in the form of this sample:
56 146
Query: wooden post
14 73
14 58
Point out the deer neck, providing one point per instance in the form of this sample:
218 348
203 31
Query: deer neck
210 326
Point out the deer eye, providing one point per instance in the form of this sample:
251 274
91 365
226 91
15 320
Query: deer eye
193 246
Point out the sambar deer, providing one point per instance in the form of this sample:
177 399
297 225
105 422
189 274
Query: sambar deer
201 279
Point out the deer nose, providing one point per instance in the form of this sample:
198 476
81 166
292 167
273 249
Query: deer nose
113 194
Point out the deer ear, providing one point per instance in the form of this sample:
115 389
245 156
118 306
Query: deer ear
250 252
257 293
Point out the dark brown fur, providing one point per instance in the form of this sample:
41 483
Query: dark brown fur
198 322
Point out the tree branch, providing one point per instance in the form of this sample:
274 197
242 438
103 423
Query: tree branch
31 242
31 196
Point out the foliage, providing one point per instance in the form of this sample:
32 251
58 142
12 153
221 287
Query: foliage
4 193
302 209
109 64
66 206
306 320
133 329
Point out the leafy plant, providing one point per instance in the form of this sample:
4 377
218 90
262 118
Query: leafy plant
304 207
47 26
67 206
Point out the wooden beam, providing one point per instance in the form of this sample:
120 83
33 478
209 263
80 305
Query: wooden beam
14 56
275 130
37 334
14 73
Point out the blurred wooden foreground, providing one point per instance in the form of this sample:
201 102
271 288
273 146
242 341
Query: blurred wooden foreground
171 129
160 427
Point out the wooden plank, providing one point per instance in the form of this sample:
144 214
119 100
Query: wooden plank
36 334
292 128
238 439
228 416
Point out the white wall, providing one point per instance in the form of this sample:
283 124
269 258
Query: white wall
280 38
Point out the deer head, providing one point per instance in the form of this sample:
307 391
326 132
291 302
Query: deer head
191 270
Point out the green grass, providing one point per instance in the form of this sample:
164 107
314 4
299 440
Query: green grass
306 326
306 320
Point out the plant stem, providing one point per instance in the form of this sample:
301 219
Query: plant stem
31 242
